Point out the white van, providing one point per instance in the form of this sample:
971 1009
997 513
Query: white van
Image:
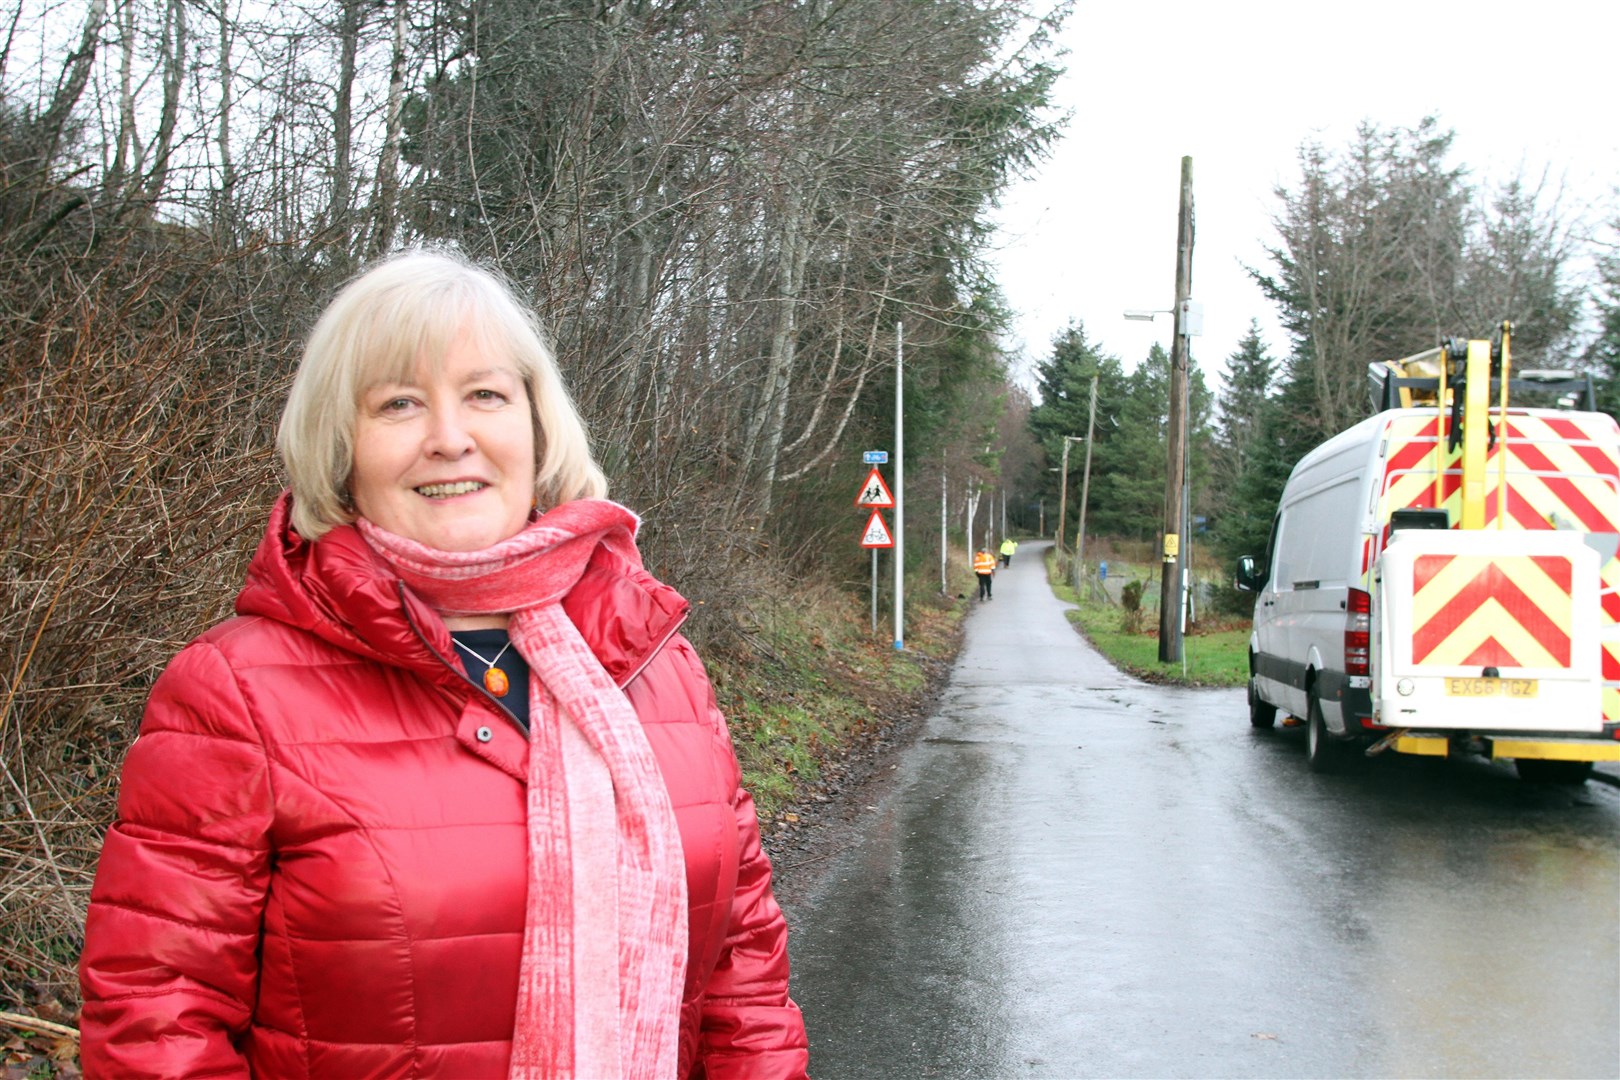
1309 650
1501 638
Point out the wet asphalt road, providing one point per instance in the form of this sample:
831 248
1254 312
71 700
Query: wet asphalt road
1075 874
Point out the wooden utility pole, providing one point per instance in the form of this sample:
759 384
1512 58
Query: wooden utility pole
1170 586
1063 493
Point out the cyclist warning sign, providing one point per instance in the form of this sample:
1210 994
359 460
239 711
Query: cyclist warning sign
877 533
875 492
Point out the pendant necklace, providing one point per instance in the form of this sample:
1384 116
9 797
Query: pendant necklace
495 680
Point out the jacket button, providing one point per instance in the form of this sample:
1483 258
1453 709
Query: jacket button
483 734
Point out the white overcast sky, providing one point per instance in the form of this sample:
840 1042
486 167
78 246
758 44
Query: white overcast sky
1238 86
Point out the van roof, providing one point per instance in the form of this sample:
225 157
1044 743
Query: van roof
1372 426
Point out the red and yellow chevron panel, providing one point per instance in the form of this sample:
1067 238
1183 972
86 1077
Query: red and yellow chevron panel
1563 473
1492 611
1559 475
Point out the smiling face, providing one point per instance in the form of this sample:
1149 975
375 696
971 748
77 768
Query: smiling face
447 456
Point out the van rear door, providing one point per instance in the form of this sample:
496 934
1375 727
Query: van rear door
1489 630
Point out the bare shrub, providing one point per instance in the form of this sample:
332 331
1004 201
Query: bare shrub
135 422
1130 601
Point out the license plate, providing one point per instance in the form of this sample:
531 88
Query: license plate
1482 687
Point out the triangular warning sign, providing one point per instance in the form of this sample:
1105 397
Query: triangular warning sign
875 492
877 533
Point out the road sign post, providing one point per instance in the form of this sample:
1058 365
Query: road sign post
876 536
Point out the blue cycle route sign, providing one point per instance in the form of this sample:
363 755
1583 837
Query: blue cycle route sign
876 457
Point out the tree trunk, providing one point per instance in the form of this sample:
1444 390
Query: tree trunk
973 491
225 202
386 205
174 69
126 139
11 39
765 432
337 214
75 76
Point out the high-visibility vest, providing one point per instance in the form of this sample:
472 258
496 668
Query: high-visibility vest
1008 546
984 563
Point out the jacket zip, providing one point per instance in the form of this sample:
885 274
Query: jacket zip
454 669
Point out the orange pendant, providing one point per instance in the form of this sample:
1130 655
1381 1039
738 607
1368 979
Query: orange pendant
495 682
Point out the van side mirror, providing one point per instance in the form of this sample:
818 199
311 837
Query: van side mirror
1249 578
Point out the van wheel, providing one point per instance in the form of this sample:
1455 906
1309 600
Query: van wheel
1262 714
1323 753
1540 771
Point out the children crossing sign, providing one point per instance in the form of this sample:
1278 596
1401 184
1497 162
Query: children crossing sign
877 533
874 492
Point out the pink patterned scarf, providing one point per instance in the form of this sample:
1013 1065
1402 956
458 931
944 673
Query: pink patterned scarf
604 937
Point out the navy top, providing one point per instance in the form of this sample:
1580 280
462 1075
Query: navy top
488 645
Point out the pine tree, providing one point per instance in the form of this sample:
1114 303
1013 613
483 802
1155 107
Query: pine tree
1285 432
1249 373
1127 471
1064 388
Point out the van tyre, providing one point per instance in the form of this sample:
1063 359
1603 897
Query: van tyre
1323 753
1262 714
1540 771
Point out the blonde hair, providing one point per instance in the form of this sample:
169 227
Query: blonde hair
404 310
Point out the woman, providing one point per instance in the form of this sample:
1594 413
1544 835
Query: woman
450 796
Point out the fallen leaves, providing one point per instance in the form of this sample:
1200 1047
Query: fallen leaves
34 1047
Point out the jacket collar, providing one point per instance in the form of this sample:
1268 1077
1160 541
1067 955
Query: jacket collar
337 589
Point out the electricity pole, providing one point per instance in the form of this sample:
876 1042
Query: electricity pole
1170 586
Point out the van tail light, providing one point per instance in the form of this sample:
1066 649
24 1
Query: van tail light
1357 632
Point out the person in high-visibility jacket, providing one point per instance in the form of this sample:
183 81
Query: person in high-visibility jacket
1008 546
984 565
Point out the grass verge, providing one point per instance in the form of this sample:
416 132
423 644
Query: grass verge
811 684
1215 652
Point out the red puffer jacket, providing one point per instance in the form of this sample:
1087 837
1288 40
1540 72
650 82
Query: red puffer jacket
318 867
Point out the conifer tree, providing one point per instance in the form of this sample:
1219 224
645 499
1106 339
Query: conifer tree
1064 387
1285 432
1127 472
1249 374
